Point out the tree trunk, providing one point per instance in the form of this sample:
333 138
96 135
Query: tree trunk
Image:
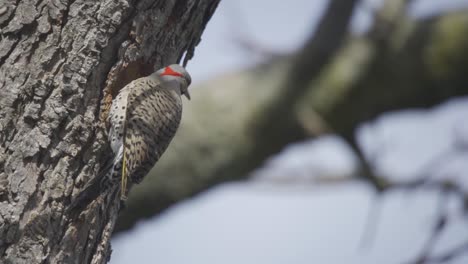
58 60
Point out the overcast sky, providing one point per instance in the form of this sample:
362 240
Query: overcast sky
266 224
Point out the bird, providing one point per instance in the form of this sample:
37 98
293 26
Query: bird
143 118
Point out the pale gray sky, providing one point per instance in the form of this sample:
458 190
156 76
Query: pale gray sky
264 224
279 26
276 25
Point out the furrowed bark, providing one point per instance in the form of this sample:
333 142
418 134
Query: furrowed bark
58 59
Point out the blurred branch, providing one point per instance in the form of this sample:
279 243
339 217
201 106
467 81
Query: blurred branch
259 128
449 255
441 222
372 221
387 36
235 123
447 188
388 18
254 48
240 34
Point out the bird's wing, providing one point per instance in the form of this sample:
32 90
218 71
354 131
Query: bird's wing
153 117
117 118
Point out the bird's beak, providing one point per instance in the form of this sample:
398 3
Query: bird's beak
186 93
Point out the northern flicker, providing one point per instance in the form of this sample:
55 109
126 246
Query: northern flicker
143 119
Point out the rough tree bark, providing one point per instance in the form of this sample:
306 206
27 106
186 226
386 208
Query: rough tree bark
58 59
233 123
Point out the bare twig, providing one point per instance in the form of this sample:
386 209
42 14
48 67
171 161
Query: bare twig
436 232
372 221
239 32
449 255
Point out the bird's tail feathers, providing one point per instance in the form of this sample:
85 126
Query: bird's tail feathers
123 181
94 187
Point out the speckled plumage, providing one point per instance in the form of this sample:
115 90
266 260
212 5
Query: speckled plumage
153 117
143 119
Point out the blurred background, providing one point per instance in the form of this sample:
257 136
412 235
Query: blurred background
372 175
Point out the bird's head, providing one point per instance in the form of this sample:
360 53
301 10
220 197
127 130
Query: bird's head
175 72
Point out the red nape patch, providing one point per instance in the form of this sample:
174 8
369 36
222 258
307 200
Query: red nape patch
169 71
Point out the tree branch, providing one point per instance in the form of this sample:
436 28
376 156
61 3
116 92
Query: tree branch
235 123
